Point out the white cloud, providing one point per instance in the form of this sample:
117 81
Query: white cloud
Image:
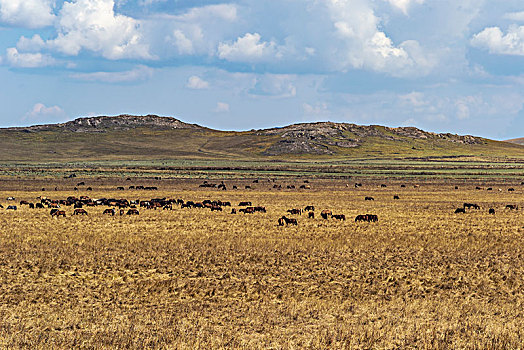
317 109
404 5
364 46
222 107
35 44
274 85
93 25
28 60
27 13
197 83
226 12
494 40
248 48
137 74
40 111
183 43
515 16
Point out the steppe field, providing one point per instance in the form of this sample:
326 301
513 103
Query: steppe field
420 277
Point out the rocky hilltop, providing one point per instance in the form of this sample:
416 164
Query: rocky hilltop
318 138
109 123
519 141
129 137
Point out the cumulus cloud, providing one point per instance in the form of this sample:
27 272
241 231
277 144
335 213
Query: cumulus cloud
316 110
93 25
497 42
364 46
27 60
40 111
248 48
27 13
139 73
222 107
197 83
34 44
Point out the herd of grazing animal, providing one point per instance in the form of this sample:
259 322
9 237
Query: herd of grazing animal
246 207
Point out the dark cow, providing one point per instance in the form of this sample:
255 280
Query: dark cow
396 197
248 210
456 187
40 205
260 209
244 204
24 203
290 221
340 217
460 210
247 187
311 215
489 189
78 205
511 189
11 207
369 199
402 186
89 189
281 221
478 188
367 218
59 213
81 184
31 206
309 208
109 212
491 211
383 185
216 208
325 214
471 205
168 207
1 206
512 207
132 212
233 211
80 212
120 188
295 211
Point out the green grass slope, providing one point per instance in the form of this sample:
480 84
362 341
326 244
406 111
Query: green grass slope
115 138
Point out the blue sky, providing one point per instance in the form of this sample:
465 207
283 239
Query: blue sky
445 66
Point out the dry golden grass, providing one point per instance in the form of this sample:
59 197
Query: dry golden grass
422 277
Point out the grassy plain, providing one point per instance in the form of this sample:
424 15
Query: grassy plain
422 277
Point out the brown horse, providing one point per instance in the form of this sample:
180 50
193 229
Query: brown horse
59 213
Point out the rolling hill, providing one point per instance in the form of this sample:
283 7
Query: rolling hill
519 141
127 137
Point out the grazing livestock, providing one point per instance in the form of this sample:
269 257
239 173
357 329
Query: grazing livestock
132 212
456 187
1 206
471 205
216 208
489 189
24 203
311 215
235 187
358 185
233 211
295 211
244 204
40 205
396 197
403 186
120 188
247 187
369 199
89 189
460 210
80 212
511 189
512 207
367 218
309 208
491 211
31 206
383 185
340 217
53 211
11 207
248 210
81 184
290 221
109 212
11 198
281 221
478 188
260 209
325 214
59 213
